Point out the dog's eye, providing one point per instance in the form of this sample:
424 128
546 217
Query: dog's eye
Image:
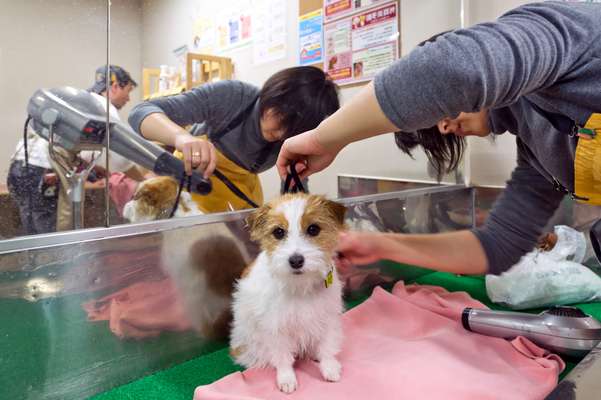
278 233
313 230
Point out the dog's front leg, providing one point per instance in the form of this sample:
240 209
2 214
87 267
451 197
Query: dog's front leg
326 354
286 378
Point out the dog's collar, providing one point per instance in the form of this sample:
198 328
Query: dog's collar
329 278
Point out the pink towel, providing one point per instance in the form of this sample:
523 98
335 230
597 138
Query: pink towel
122 190
144 309
410 345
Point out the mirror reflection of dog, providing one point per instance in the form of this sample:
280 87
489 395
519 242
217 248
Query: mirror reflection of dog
215 264
203 261
288 303
154 199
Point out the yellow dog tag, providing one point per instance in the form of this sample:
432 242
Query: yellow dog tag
329 278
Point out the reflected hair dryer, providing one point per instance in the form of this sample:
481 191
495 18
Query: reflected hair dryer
76 121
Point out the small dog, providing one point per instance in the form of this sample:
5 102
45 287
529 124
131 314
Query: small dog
154 199
288 303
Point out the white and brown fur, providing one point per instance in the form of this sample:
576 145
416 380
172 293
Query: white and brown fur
283 312
203 261
154 199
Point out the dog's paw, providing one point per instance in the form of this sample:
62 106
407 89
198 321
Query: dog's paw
330 369
286 381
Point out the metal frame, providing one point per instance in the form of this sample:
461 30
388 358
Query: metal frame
86 235
48 277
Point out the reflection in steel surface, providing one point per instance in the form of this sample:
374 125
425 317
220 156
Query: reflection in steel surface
85 311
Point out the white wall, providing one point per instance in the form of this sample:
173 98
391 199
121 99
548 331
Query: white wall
490 162
58 43
62 42
167 25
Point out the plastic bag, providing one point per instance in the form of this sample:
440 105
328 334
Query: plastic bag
547 278
571 245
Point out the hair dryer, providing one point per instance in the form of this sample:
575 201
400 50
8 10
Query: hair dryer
78 122
564 330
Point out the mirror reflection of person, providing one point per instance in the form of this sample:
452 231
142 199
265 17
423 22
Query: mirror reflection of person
358 69
35 188
535 73
237 127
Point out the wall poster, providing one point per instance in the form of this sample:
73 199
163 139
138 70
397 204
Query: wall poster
310 38
334 9
360 45
269 30
223 29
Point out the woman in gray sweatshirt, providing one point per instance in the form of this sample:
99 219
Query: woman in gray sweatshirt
237 127
535 73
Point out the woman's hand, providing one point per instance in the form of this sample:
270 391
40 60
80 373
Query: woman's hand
313 156
198 154
458 252
360 248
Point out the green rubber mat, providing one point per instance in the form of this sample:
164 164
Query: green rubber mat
49 350
179 382
176 383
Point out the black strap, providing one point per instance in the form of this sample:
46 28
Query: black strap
25 148
231 186
293 176
183 180
234 123
238 119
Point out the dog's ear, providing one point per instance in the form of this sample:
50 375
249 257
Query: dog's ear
337 210
256 220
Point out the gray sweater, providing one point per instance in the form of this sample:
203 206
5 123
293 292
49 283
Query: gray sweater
213 107
538 71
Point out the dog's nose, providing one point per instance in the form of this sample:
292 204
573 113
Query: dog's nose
296 261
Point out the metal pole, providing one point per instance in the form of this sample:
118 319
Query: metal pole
107 199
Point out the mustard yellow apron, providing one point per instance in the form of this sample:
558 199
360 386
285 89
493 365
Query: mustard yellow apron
221 197
587 163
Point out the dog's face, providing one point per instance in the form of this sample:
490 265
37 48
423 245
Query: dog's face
299 233
154 199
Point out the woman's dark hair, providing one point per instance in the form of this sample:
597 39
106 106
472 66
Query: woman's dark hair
443 151
301 97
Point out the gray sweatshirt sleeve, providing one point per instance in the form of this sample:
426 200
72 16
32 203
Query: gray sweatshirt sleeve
490 64
215 103
518 216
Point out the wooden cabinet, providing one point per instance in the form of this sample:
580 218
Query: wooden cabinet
200 68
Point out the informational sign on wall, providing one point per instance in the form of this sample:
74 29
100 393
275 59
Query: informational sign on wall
334 9
360 45
269 30
222 29
310 38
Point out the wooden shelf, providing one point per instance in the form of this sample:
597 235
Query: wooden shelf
200 69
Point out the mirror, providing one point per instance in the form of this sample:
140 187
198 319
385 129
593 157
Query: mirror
155 47
186 45
52 45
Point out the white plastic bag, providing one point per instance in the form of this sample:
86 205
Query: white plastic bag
571 245
542 279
